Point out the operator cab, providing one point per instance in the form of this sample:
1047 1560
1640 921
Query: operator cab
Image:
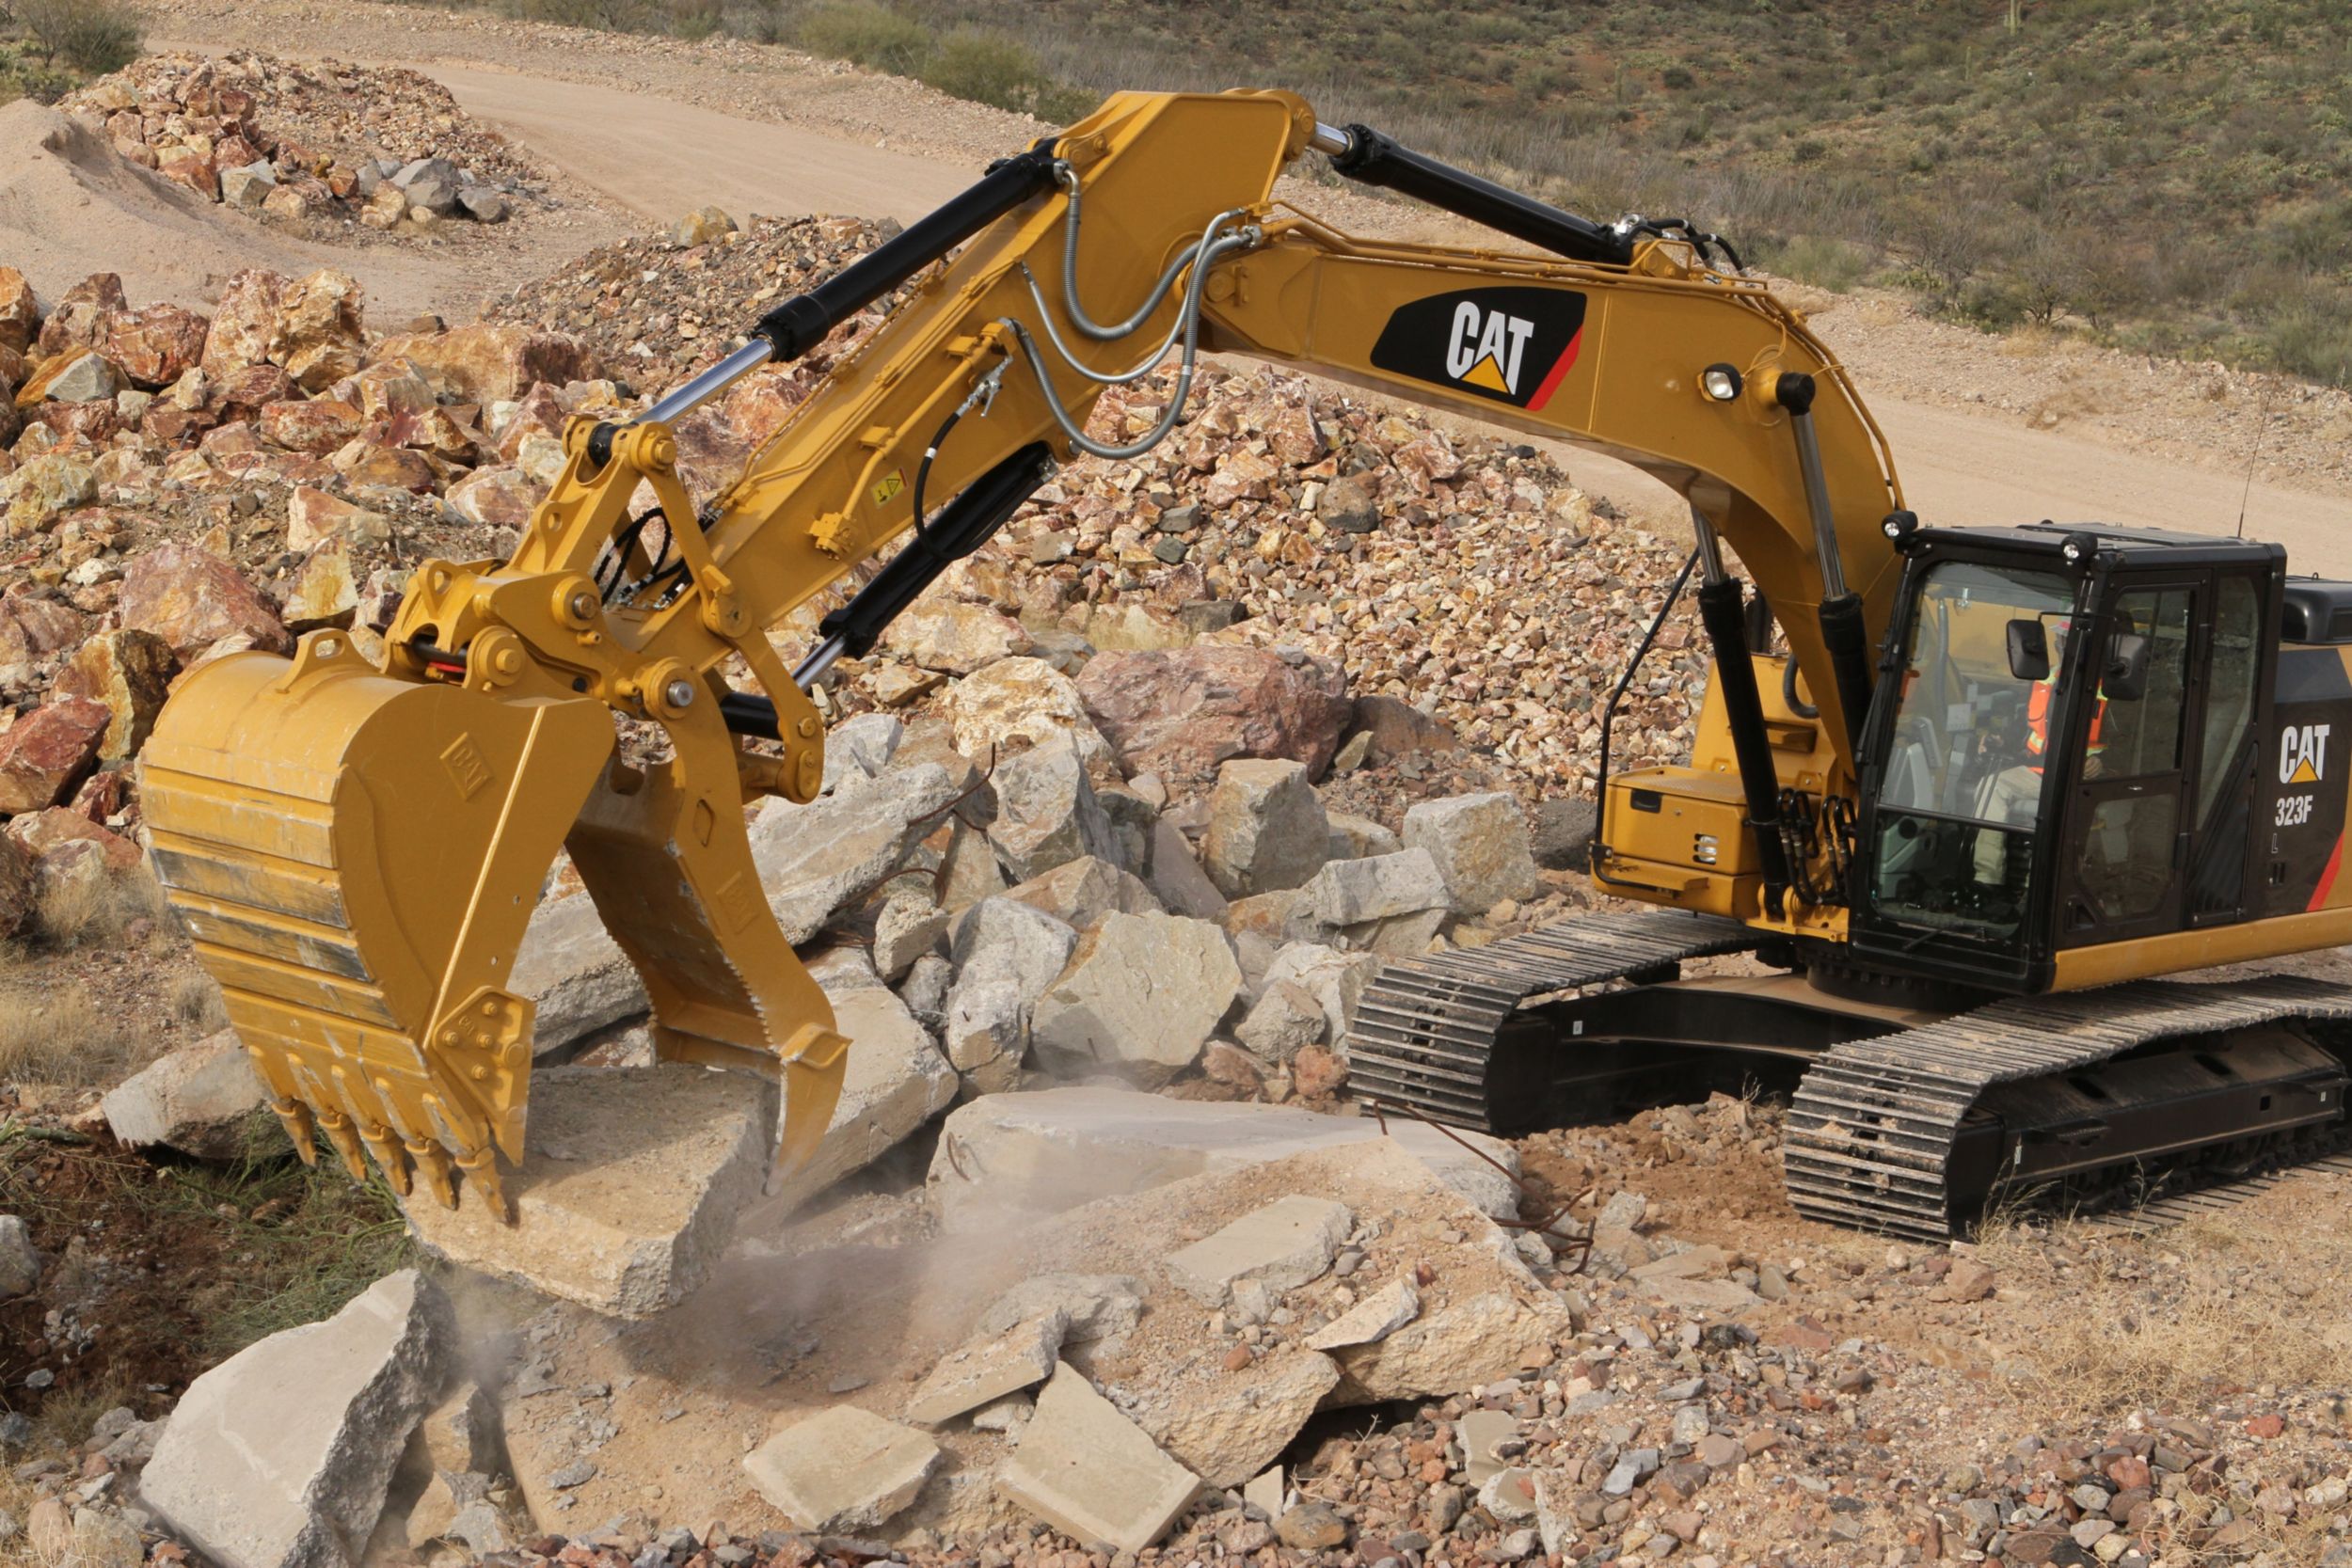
2064 749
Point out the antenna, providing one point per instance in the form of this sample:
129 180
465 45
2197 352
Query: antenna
2262 429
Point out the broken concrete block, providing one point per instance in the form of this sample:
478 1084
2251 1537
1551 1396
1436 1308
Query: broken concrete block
908 926
817 859
843 1469
1466 1344
859 748
280 1456
1371 1320
631 1183
1094 1305
1264 1492
894 1081
1266 829
1083 891
1336 979
1479 1430
1175 875
1233 1429
1008 1155
1397 936
1046 813
576 974
985 1369
462 1434
1142 996
1005 953
1287 1017
1091 1473
1360 838
1481 846
203 1100
1283 1247
1348 892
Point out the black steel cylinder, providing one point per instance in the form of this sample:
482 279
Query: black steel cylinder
1849 647
800 323
960 527
1376 160
1722 612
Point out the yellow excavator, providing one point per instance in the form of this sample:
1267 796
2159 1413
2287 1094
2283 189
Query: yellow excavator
1997 781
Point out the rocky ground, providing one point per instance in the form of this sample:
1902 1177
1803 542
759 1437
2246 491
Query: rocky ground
1098 1261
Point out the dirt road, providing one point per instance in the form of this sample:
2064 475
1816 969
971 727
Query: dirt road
659 159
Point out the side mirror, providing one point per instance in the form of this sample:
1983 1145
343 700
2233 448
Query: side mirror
2126 677
2028 649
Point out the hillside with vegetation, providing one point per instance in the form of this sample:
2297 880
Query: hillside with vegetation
2174 176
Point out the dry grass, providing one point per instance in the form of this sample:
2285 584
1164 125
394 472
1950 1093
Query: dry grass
82 912
2163 1324
196 1000
57 1034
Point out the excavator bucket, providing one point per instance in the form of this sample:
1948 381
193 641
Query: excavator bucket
356 856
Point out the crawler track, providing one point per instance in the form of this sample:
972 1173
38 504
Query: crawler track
1424 1032
1871 1131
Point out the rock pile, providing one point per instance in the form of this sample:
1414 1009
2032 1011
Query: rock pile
380 147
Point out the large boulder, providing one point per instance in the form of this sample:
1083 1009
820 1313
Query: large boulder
31 626
192 598
1142 996
574 972
44 753
156 345
819 859
1017 700
1085 890
1014 1156
317 335
280 1456
1266 829
953 638
1481 846
1047 814
238 338
130 671
1183 711
1006 953
202 1100
488 362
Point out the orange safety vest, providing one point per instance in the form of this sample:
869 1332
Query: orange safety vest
2037 704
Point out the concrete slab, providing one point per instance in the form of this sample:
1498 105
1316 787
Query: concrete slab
576 974
985 1369
843 1469
629 1187
1371 1320
281 1456
1091 1473
1006 1155
1281 1246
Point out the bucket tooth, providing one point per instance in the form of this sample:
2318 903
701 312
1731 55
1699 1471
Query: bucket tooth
389 1156
433 1169
299 1130
340 1132
482 1175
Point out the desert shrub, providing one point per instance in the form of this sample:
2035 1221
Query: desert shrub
986 70
57 1034
92 36
1820 259
873 36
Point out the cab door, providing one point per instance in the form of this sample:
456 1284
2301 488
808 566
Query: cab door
2131 817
